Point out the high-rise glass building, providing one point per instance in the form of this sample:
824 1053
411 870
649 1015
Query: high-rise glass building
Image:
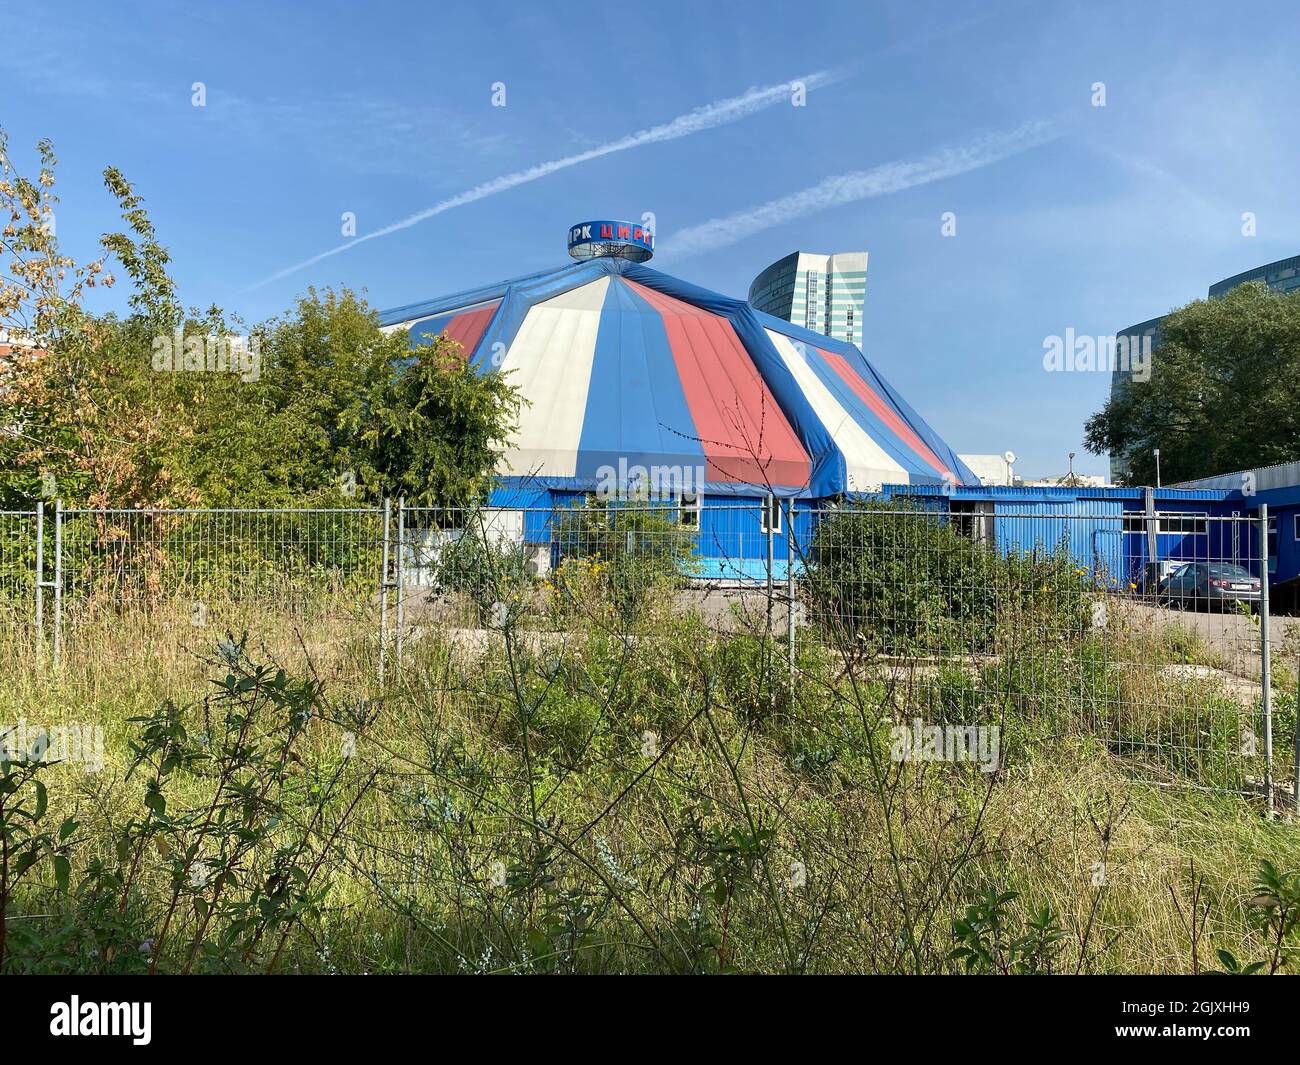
1121 378
1281 276
823 293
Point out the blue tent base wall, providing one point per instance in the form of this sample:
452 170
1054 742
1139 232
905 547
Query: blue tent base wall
1101 527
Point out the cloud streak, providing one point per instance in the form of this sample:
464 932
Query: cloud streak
709 116
857 185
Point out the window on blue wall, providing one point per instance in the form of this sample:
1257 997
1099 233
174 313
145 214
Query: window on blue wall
1182 524
689 505
1295 528
771 515
1169 523
973 519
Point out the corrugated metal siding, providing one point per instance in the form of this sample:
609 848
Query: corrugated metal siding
1056 493
1093 533
1265 478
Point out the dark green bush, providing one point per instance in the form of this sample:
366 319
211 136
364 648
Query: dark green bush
908 581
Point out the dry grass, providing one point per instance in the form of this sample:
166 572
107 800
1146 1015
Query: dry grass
487 758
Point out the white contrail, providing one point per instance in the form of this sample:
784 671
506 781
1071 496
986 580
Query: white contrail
859 185
718 113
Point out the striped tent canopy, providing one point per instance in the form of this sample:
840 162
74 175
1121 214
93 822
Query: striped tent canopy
625 368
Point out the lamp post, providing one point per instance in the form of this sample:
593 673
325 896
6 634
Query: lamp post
1157 454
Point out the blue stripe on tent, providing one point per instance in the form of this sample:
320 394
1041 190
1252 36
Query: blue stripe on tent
919 471
459 300
423 332
920 427
636 409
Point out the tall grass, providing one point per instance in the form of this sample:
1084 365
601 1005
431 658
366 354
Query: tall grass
635 793
584 778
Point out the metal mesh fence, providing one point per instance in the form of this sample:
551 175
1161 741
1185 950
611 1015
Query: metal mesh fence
18 551
217 568
1056 626
1145 633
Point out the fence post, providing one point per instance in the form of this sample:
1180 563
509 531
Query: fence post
40 571
383 587
767 635
789 589
767 522
1265 666
1295 741
401 551
1151 574
58 583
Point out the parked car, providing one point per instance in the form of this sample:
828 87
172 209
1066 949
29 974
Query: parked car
1210 585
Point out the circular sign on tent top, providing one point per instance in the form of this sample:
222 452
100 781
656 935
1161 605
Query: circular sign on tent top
612 240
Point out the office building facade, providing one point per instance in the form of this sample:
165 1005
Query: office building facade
822 293
1281 276
1139 336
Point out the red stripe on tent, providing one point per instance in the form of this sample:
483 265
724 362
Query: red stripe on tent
467 329
745 436
885 412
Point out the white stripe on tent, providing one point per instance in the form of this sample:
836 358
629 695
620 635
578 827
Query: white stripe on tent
867 465
551 357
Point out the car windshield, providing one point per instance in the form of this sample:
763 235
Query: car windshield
1227 569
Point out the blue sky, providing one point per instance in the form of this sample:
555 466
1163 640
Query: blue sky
1069 216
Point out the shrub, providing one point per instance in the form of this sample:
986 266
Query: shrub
908 581
634 552
496 575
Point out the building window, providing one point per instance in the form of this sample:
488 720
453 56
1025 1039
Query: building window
1296 527
771 516
1169 524
689 508
972 519
1182 525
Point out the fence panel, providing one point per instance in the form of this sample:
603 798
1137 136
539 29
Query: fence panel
458 567
1052 624
220 569
18 554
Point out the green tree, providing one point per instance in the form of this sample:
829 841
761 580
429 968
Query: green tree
326 408
433 430
1223 395
77 413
